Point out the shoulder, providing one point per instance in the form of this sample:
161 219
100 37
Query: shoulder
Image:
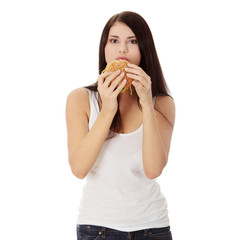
166 105
79 98
78 93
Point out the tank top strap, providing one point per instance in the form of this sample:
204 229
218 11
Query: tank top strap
93 108
90 98
93 96
154 100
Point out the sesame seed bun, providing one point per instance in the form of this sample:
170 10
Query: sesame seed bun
119 65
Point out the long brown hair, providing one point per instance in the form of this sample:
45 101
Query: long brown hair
149 59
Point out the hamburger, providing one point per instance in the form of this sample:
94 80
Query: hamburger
120 65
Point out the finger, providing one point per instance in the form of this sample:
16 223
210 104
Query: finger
137 84
102 76
137 77
111 77
120 87
133 66
116 81
137 70
133 70
105 74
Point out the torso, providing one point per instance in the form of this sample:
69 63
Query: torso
131 116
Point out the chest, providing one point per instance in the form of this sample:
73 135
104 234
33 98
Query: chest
131 117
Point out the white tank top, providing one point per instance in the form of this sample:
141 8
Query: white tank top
117 194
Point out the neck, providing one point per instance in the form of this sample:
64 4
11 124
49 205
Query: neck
126 100
127 94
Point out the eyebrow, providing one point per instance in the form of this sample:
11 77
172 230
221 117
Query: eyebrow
118 36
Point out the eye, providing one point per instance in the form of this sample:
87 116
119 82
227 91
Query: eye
133 41
113 40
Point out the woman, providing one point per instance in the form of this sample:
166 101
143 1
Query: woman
120 141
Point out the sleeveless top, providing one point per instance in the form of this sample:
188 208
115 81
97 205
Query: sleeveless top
117 194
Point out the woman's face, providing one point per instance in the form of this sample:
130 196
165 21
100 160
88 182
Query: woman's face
122 44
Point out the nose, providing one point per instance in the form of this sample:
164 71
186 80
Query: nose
123 48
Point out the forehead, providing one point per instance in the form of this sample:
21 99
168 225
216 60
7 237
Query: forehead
120 29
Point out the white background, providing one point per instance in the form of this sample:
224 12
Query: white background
48 48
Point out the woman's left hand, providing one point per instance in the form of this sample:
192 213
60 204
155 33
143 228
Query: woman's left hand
142 83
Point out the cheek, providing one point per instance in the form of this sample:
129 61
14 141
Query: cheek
137 56
108 54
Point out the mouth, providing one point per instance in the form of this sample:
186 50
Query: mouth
122 58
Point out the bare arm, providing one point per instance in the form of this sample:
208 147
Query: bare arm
157 127
84 146
157 133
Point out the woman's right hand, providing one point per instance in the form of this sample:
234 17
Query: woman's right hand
107 89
